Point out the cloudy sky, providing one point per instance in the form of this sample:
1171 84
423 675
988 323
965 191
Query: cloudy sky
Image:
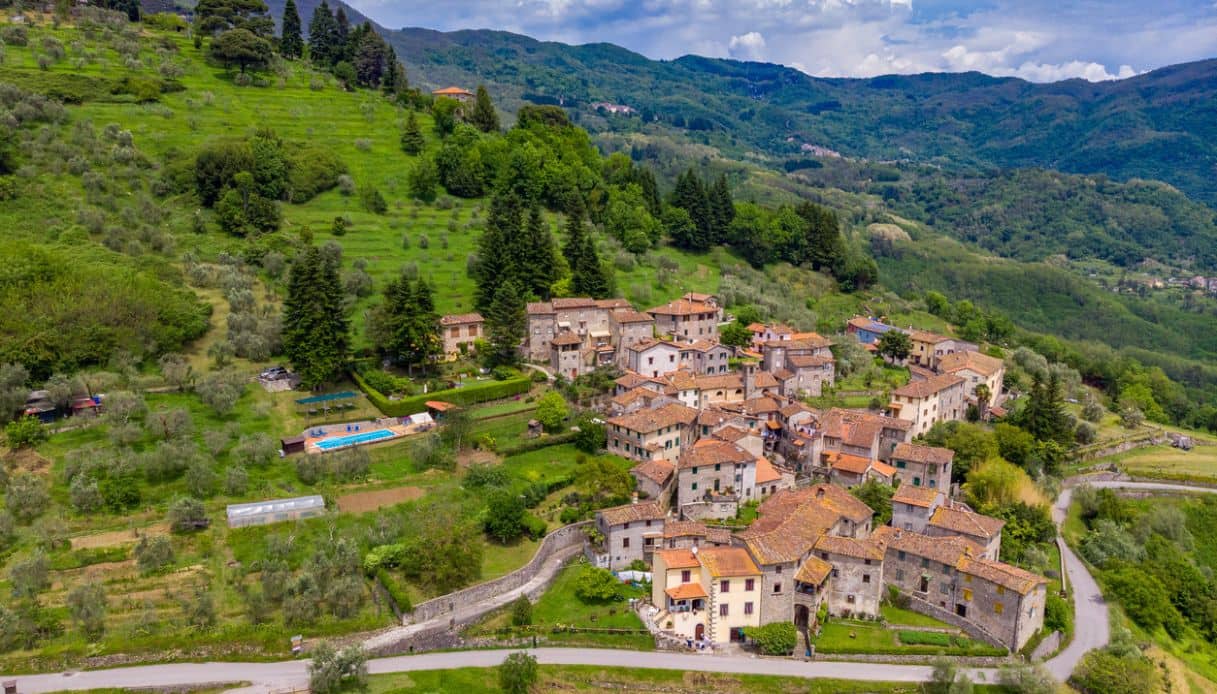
1040 40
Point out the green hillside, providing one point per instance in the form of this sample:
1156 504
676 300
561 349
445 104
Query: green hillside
1160 125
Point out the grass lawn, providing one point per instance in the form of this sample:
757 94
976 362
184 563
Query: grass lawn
500 560
1165 462
898 616
559 605
866 637
588 678
504 408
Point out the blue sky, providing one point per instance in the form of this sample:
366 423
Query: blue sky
1039 40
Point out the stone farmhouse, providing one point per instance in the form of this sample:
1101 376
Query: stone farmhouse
928 349
658 434
917 465
924 403
590 320
976 369
690 318
459 332
632 533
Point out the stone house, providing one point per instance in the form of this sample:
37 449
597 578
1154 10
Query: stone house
460 329
688 319
867 330
958 520
848 470
976 369
660 433
862 433
631 532
856 588
627 328
655 479
776 354
912 507
925 403
713 475
928 348
705 357
640 398
686 534
567 357
1003 602
919 465
588 319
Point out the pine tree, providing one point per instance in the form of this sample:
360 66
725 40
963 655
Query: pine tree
723 208
539 262
506 324
484 117
315 329
650 191
412 141
291 45
426 343
395 81
573 248
341 36
690 195
321 32
589 277
499 248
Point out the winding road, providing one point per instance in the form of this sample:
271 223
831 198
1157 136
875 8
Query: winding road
1091 631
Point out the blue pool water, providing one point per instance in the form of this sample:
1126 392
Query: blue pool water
354 439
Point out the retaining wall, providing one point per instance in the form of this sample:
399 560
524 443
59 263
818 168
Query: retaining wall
563 538
969 627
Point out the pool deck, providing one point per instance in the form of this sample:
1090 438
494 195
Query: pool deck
337 431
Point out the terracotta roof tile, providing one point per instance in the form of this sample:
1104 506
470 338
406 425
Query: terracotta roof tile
629 513
846 462
684 528
683 307
766 472
928 387
658 471
974 361
850 547
567 303
678 558
966 523
915 496
686 591
647 421
1005 575
727 562
915 452
461 318
712 452
814 570
629 315
563 339
807 361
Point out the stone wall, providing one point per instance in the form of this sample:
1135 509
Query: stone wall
969 627
709 510
563 538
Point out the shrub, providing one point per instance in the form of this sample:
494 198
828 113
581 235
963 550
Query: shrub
372 200
776 638
471 394
396 591
534 526
1103 672
23 432
521 611
552 410
153 554
518 673
331 671
597 585
187 514
925 638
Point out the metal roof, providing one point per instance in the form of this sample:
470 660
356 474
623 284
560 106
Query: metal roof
257 508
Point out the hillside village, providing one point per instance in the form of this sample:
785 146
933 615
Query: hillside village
715 428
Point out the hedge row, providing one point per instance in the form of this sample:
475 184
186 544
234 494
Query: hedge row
397 593
466 395
538 443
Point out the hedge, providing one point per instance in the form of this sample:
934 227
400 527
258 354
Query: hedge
925 638
396 592
466 395
538 443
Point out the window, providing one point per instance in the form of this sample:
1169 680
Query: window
916 481
835 573
722 610
694 470
777 587
778 571
685 576
747 608
625 543
900 464
900 555
849 599
717 467
967 593
1001 590
925 563
724 586
626 526
967 579
648 524
866 562
824 556
944 588
750 584
866 578
694 486
998 608
899 574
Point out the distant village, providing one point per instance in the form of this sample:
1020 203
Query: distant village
715 428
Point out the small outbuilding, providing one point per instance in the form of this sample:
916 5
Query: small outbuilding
275 511
292 444
438 409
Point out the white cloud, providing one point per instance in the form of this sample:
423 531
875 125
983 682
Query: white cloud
749 46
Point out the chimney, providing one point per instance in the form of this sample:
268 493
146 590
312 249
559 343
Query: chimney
749 379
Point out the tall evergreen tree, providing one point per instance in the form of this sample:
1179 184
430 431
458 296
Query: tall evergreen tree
650 191
484 117
291 44
342 36
412 141
499 248
690 195
426 343
315 329
369 54
589 276
576 235
395 81
723 208
825 247
506 324
322 30
539 262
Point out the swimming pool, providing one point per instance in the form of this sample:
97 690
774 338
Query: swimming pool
354 439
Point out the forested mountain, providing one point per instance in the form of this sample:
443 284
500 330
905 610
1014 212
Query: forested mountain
1160 125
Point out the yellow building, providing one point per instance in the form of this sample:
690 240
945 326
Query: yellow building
711 593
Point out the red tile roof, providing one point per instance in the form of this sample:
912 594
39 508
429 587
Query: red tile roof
658 471
917 453
461 318
928 387
648 510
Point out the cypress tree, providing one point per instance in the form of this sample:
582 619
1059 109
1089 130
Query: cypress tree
342 36
484 117
576 234
395 75
291 45
650 191
591 277
723 208
539 261
498 248
321 31
315 329
425 343
412 141
690 195
506 324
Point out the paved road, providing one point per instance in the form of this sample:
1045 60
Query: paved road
1091 631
